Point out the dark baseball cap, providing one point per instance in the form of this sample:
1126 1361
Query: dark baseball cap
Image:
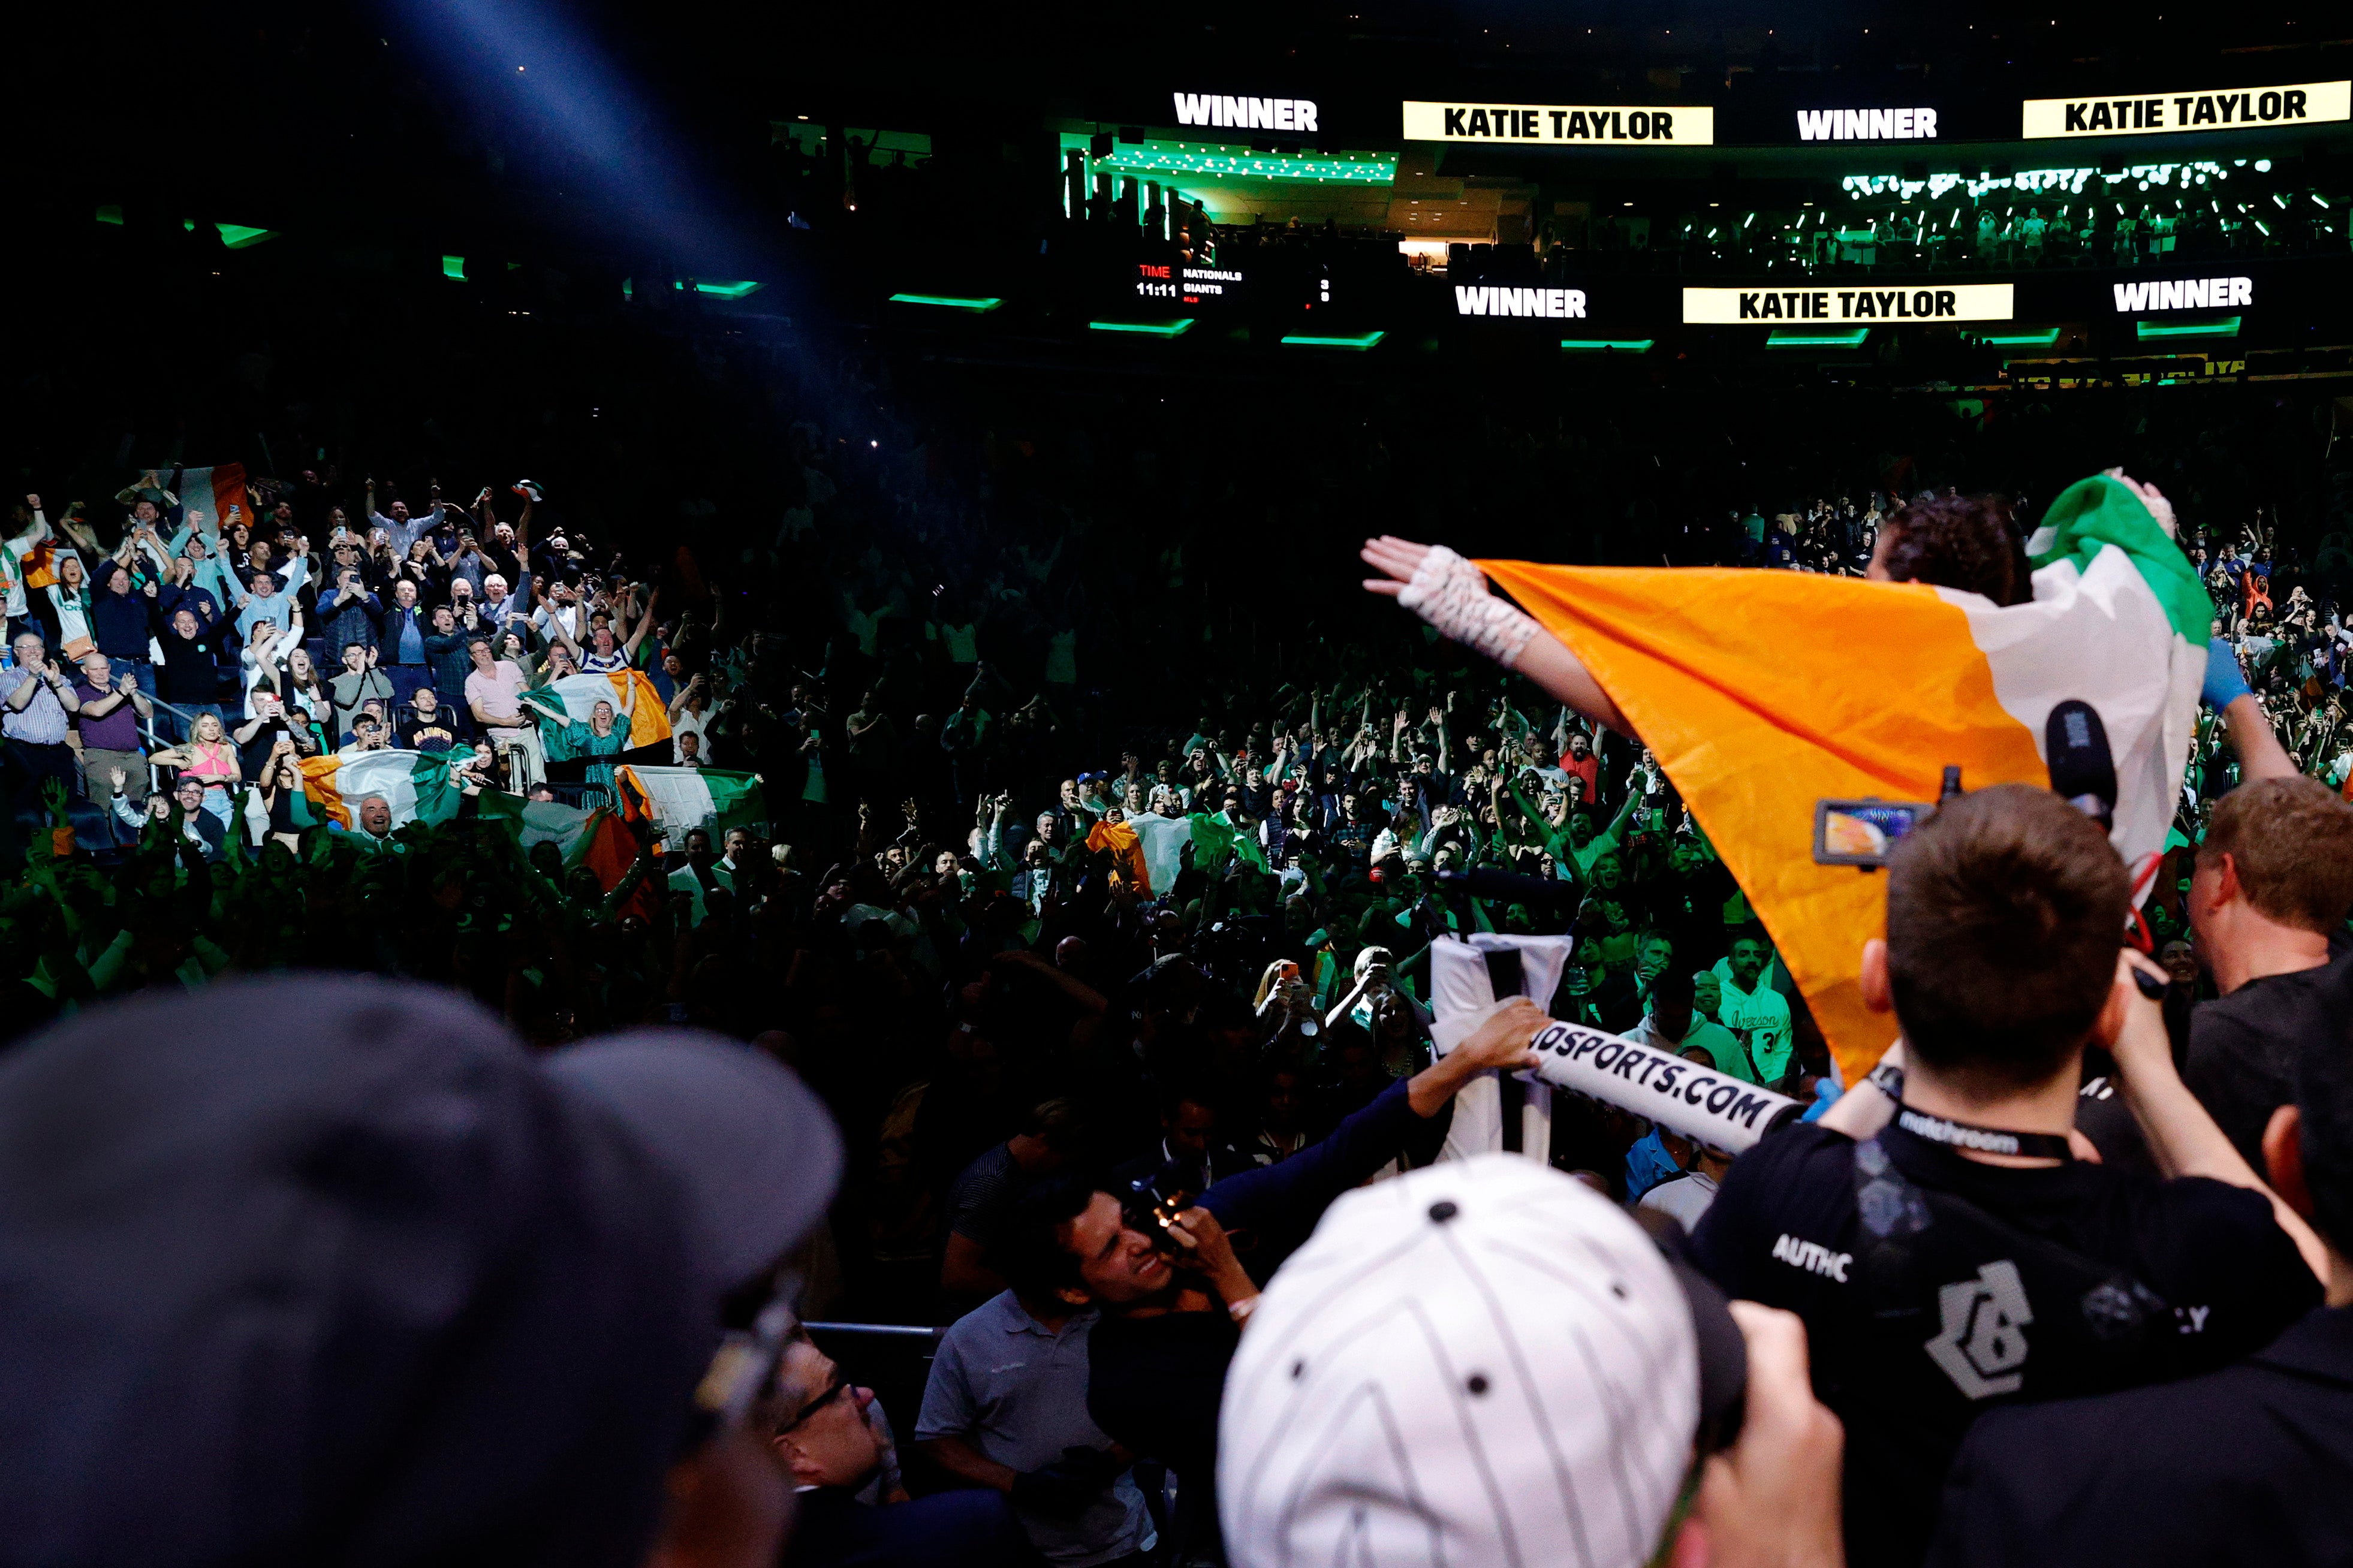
333 1269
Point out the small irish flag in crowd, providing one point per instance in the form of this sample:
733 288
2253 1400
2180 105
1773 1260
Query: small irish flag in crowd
1763 693
678 799
595 838
415 784
216 492
574 699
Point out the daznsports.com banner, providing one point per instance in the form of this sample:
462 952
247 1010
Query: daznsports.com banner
1561 125
2206 109
1776 307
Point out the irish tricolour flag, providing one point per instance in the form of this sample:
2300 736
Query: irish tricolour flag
678 799
415 784
572 699
1762 692
595 838
218 493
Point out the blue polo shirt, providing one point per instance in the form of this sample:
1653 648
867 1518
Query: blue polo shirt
1016 1390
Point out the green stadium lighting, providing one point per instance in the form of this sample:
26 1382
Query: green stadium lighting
1607 345
1156 160
2042 340
234 236
1152 328
1359 344
1853 339
454 268
111 213
725 291
2221 326
949 301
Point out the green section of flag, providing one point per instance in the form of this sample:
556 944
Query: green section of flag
735 800
2093 513
1213 841
437 794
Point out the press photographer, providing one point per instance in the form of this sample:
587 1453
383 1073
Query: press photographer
1961 1256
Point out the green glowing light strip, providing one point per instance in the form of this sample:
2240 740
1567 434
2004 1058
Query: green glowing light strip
1162 158
454 268
1157 329
234 236
2043 339
1853 340
1328 170
2225 327
725 291
946 302
1359 344
1608 345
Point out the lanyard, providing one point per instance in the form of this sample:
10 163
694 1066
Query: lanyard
1983 1140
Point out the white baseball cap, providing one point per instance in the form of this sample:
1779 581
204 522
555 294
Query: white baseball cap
1480 1363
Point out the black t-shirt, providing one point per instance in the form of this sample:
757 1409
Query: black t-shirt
421 734
1153 1386
2243 1046
1915 1332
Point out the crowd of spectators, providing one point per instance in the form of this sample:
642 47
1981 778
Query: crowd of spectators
963 652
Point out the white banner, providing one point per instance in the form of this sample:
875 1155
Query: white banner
1562 125
1845 307
2206 109
1461 995
1697 1101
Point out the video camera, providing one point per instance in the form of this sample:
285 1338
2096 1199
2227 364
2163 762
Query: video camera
1864 832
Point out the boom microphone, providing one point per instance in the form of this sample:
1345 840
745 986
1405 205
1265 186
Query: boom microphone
2082 770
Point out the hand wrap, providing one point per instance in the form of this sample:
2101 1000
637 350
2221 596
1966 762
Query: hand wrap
1452 594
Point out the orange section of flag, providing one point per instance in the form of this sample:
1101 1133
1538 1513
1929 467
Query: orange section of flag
610 851
231 504
650 719
40 564
1126 852
1762 692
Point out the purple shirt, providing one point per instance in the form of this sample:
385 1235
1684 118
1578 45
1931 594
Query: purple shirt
117 730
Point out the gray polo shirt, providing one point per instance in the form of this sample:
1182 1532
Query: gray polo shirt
1005 1384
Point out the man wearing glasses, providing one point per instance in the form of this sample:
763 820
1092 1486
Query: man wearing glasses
830 1449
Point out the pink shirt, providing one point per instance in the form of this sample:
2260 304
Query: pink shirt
500 693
